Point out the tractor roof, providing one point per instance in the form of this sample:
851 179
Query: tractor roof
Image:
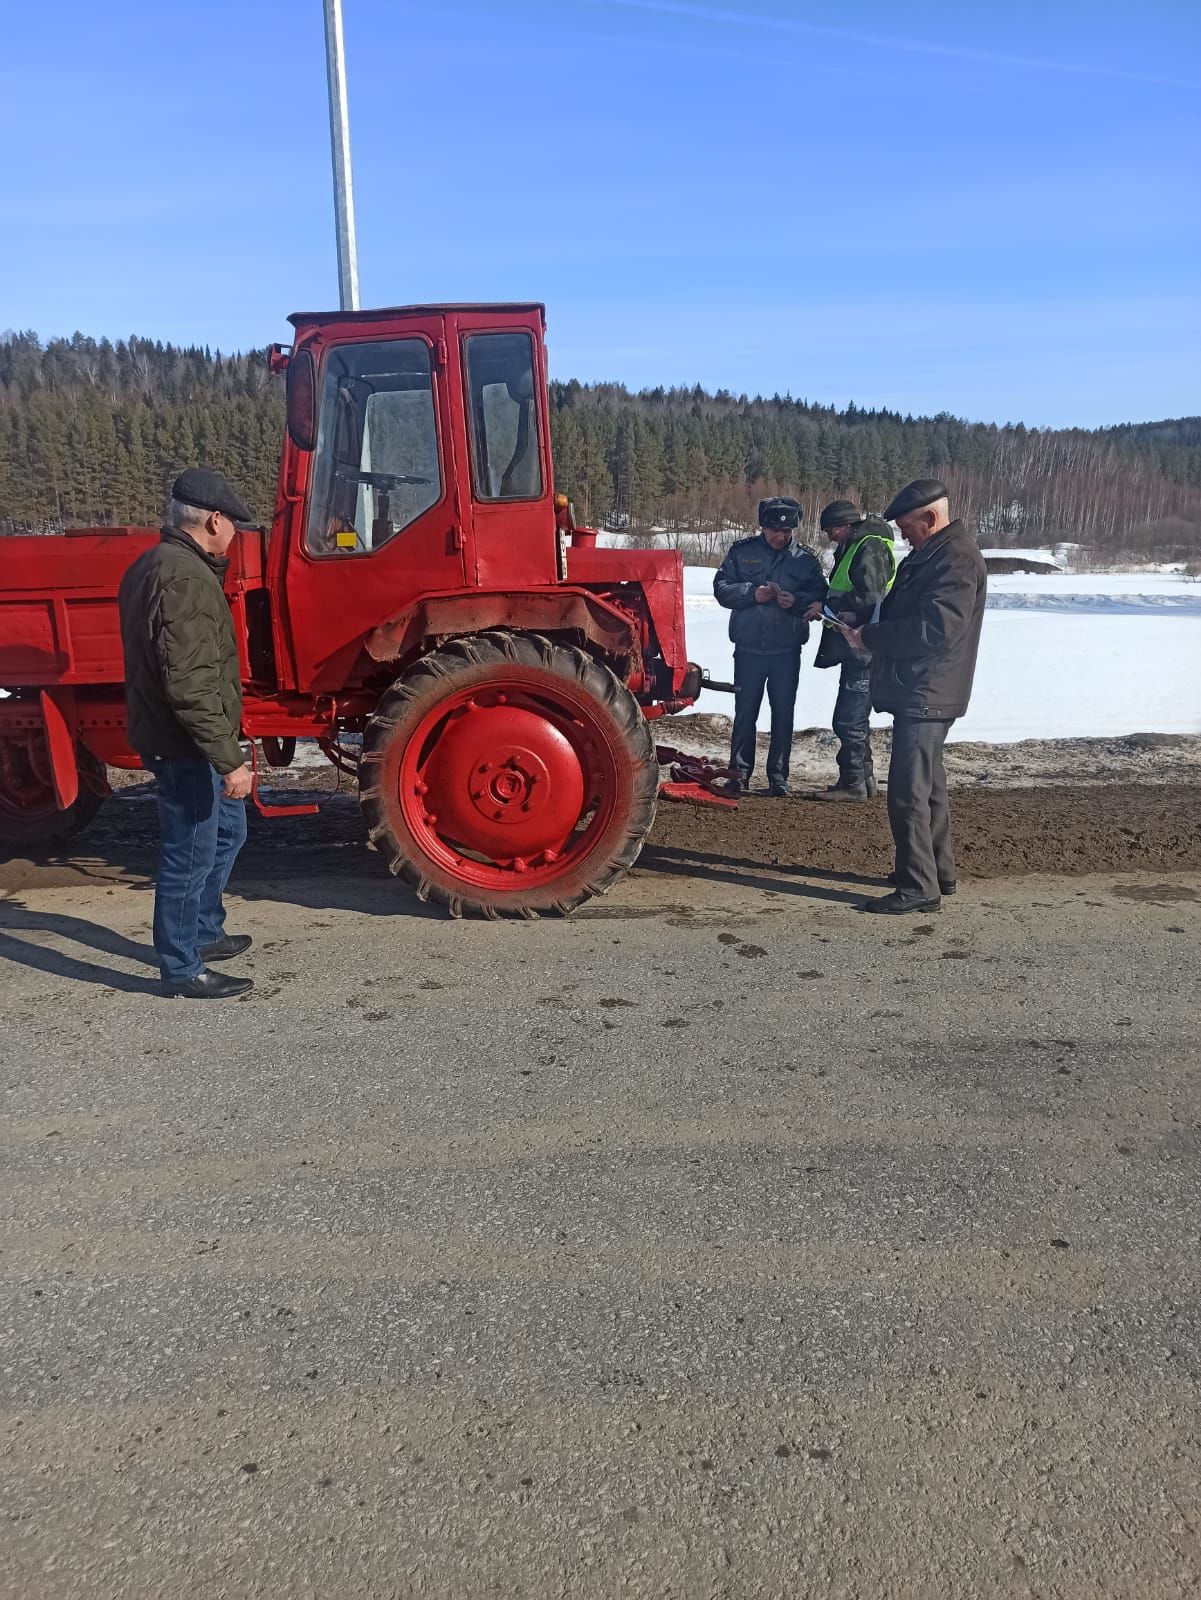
308 318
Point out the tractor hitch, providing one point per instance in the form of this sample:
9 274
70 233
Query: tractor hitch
696 778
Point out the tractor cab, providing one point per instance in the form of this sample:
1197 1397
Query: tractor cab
416 463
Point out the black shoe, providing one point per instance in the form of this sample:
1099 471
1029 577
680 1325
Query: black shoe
841 791
946 890
208 986
777 791
892 905
232 944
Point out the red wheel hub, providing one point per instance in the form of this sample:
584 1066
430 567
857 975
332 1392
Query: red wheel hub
503 781
510 781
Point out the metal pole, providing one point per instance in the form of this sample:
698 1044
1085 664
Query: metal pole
339 140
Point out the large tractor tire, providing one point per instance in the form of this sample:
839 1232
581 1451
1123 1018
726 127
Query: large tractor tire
29 814
507 774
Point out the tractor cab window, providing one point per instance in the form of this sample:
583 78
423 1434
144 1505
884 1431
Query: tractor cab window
503 407
377 446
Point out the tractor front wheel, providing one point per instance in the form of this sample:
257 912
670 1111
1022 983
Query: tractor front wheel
504 773
29 813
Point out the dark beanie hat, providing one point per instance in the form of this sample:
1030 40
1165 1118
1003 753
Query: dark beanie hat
921 492
839 513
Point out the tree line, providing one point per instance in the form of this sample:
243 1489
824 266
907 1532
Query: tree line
92 432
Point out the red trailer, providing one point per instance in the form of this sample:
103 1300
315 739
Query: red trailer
421 585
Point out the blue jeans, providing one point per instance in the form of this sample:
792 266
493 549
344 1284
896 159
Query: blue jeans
200 834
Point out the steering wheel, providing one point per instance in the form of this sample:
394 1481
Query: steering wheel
377 480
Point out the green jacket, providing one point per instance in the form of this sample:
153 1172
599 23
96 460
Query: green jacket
183 684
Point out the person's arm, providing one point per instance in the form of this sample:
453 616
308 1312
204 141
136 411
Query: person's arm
729 589
809 587
870 571
939 621
186 635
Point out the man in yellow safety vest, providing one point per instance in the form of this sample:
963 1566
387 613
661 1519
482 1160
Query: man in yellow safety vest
864 569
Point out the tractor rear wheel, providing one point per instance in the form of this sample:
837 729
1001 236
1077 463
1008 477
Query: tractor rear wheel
29 814
504 773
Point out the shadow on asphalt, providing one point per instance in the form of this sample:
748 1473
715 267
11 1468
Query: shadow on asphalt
14 920
681 863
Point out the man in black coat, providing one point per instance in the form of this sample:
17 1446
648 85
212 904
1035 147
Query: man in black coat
767 584
923 652
864 568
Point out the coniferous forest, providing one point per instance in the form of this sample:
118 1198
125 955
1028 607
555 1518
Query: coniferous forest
92 432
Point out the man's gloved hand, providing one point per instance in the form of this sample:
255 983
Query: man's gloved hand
236 785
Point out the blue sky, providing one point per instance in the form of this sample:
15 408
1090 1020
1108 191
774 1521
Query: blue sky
989 210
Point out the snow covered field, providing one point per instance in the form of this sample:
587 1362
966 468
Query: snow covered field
1069 656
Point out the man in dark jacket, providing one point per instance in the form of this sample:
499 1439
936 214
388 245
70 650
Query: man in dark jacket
183 695
767 584
864 568
923 652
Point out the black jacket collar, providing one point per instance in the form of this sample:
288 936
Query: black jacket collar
218 565
943 536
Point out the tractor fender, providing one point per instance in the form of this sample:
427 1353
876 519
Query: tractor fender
614 633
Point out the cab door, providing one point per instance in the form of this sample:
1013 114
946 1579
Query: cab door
380 526
509 484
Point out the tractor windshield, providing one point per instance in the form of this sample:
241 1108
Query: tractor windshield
502 396
377 446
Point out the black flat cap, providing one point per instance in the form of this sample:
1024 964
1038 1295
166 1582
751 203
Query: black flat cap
921 492
199 486
839 513
780 512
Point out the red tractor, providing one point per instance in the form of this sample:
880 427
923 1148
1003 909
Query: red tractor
421 586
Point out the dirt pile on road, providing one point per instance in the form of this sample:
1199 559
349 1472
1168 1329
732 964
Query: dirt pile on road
1118 828
1132 758
998 832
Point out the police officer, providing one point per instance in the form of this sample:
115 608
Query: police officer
864 569
768 584
923 652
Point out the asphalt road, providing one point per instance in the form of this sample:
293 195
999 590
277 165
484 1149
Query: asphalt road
720 1241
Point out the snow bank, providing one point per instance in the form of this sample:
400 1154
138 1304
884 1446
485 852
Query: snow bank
1072 656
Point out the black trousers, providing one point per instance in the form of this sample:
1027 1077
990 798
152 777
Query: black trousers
852 713
918 812
778 673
